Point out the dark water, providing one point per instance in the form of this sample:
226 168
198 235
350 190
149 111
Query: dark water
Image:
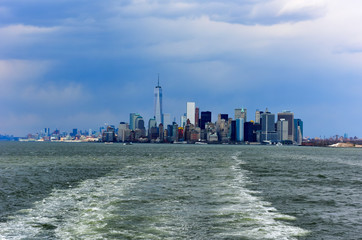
98 191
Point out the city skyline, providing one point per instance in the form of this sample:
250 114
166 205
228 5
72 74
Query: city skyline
66 65
240 116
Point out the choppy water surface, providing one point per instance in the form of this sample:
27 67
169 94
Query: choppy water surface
98 191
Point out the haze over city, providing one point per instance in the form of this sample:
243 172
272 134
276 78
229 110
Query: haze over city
66 64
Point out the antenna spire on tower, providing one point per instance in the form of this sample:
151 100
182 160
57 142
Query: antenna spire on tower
158 82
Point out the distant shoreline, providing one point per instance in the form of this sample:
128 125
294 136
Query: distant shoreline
345 145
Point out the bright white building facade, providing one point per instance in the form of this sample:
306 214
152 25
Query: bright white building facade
190 113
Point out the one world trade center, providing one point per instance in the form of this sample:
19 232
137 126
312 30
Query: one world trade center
158 103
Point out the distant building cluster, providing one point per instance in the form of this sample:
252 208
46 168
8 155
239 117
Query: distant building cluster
195 126
8 138
74 136
198 127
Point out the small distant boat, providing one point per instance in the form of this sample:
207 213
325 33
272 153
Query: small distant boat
266 142
127 143
108 143
201 143
279 144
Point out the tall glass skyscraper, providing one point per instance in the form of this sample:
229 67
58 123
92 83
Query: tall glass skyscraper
289 117
205 118
132 120
267 122
240 129
158 103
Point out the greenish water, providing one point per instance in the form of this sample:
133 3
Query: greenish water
99 191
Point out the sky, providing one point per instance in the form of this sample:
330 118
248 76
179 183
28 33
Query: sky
83 64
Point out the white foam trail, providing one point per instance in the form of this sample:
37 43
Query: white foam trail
261 217
79 212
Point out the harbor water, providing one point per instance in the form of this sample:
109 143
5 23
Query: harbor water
169 191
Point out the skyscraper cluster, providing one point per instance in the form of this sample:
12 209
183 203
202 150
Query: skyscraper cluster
196 126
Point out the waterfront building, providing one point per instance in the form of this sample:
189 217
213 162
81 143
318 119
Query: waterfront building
282 129
267 122
127 135
298 131
175 132
190 132
211 132
109 134
249 135
152 123
152 129
169 131
268 132
195 134
132 120
289 117
256 129
165 134
122 131
205 118
268 137
190 113
180 134
138 134
132 136
140 125
212 137
203 134
187 132
131 123
222 126
158 103
240 129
